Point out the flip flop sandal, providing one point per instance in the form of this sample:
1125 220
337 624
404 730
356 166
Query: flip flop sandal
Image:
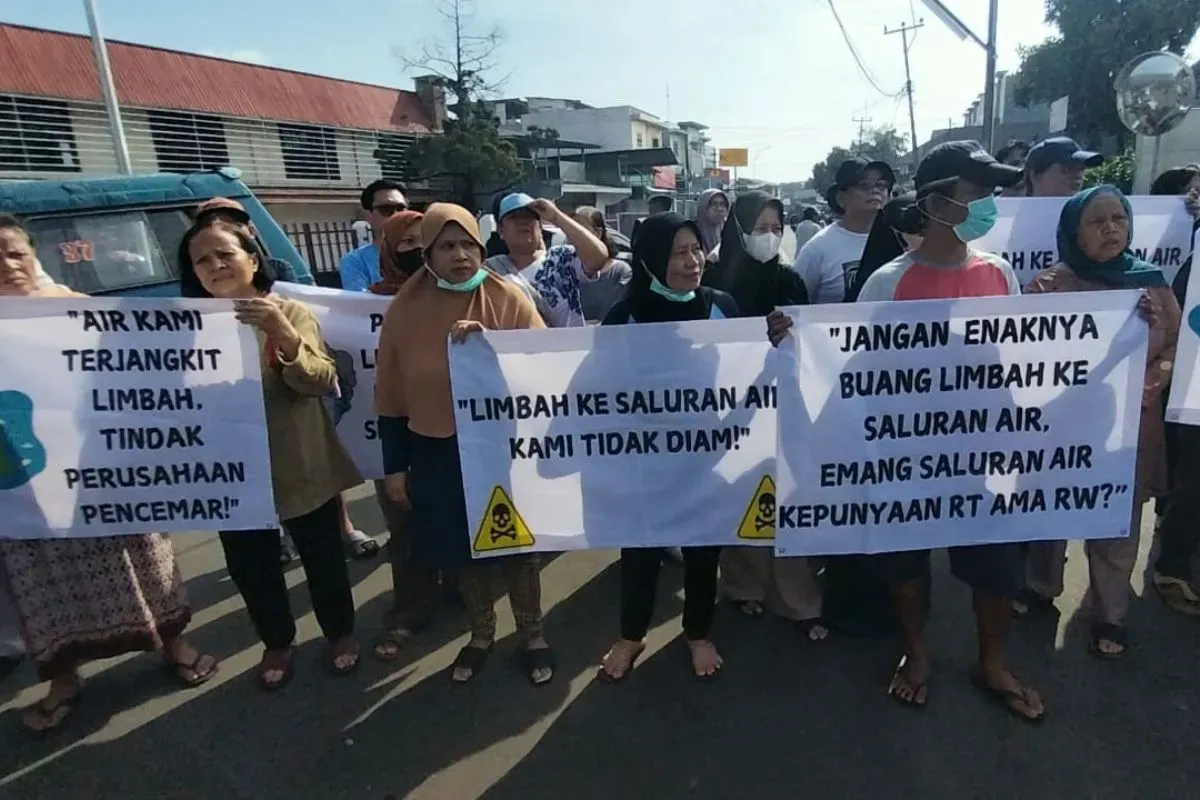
750 608
1032 603
1006 698
472 658
808 625
47 712
197 673
275 661
361 546
1107 632
398 638
899 680
608 677
1177 594
346 647
538 658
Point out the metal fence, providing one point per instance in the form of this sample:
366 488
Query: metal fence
322 244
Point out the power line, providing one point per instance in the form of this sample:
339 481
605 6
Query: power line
858 61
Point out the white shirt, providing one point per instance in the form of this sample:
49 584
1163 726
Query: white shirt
828 262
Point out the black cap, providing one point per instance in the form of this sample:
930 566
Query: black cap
964 159
1060 150
849 173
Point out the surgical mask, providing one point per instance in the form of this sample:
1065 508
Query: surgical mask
664 291
469 285
981 218
762 247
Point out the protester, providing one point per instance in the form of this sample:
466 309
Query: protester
828 261
808 226
379 200
1055 167
309 467
231 212
954 203
1179 509
668 260
453 296
598 296
1014 154
85 599
660 204
886 241
712 209
549 277
1095 231
12 649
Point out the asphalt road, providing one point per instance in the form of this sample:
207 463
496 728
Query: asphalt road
786 720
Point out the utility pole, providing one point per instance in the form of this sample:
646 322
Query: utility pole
903 30
862 128
120 147
989 48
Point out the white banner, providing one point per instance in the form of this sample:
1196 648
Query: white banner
620 436
926 424
1183 403
1025 233
350 323
124 416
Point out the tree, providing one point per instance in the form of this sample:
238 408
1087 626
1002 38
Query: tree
470 151
877 144
1117 170
1096 38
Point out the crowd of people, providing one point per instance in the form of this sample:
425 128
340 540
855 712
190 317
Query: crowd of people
74 600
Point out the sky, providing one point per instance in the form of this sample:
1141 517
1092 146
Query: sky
774 77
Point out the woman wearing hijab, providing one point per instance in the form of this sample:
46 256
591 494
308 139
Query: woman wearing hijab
1094 235
712 210
668 260
309 467
78 600
749 270
400 253
454 296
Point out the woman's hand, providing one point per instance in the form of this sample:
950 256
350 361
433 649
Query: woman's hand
396 487
778 325
460 330
265 314
1150 309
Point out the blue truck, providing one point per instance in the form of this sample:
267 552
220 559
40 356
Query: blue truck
120 236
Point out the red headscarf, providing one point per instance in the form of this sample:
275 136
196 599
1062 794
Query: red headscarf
392 277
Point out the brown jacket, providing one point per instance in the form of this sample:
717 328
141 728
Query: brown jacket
308 463
1151 480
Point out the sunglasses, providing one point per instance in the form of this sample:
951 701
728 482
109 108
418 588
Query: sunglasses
388 209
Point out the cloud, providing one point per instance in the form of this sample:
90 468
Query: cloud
249 55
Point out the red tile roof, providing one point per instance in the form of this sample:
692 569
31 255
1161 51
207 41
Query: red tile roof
61 65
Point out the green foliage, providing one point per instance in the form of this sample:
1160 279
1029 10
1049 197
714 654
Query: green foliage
1117 170
878 144
1096 38
471 152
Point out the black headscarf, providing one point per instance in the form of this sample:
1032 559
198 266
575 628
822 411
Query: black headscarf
651 252
757 287
884 243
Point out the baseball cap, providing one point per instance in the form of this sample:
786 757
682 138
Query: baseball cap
233 207
850 171
1060 150
963 159
514 202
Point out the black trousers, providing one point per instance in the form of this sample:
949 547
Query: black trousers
639 584
252 558
1179 532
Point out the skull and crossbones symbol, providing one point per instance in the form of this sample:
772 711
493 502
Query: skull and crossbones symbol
502 523
765 518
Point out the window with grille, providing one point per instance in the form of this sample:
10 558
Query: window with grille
185 142
36 135
309 152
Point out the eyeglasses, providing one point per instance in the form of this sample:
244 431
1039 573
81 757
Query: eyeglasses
388 209
882 187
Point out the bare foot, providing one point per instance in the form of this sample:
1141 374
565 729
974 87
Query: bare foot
706 661
620 658
910 683
1006 688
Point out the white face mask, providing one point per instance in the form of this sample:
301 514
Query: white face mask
762 247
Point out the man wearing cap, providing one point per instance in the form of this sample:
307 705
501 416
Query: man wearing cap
232 212
550 276
1054 167
955 205
827 262
379 200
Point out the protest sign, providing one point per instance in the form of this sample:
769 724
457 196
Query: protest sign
1025 233
350 323
926 424
129 416
1183 403
616 436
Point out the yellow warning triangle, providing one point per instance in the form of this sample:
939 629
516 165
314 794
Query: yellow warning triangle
759 520
501 528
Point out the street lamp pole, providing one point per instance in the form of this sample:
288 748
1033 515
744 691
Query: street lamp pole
120 146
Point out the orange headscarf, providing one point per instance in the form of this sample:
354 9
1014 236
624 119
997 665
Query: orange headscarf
392 277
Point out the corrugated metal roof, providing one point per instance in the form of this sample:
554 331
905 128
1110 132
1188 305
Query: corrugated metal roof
61 65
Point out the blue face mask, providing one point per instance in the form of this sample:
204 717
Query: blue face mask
469 285
665 292
981 218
